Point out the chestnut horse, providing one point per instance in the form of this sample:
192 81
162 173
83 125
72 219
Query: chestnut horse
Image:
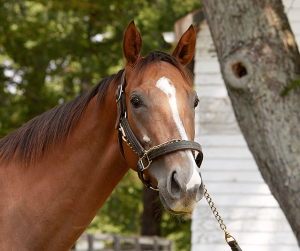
58 169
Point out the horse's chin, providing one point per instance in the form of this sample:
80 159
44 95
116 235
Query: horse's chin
175 209
166 206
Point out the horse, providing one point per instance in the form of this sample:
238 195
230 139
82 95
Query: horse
58 169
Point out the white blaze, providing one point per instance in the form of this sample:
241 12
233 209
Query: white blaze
165 85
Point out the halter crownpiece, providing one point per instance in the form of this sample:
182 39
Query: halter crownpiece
126 134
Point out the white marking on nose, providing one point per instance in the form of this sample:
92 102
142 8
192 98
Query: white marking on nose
165 85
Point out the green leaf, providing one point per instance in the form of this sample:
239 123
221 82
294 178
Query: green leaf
289 87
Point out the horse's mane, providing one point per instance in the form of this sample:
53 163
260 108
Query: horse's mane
32 139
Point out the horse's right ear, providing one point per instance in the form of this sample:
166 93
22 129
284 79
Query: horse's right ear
132 44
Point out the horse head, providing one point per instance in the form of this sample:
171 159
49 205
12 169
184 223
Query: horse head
160 103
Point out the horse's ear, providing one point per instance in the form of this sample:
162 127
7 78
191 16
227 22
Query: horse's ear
185 49
132 44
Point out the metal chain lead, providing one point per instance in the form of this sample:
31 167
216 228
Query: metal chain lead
217 216
158 146
124 137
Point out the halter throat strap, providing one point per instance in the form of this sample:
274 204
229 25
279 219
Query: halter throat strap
146 157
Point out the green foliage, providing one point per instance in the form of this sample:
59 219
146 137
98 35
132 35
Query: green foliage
177 228
48 55
289 87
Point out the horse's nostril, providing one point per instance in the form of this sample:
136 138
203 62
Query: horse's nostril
175 188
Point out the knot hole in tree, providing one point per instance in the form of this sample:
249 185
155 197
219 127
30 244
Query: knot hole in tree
239 69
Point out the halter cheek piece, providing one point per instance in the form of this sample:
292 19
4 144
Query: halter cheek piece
146 157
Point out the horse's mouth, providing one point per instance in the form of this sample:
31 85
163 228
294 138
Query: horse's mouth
182 205
167 207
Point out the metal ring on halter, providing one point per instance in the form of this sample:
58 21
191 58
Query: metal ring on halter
146 182
153 188
141 164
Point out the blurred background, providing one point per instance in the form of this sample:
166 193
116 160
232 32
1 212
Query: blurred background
51 51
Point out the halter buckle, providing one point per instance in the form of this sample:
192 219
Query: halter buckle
120 87
140 164
120 91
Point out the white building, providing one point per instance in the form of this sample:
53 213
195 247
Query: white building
230 173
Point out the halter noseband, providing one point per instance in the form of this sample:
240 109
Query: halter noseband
126 134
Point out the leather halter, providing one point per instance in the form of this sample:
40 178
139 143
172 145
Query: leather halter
126 134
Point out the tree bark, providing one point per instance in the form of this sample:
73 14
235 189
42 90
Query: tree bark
258 58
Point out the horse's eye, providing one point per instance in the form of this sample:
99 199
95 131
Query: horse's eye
135 102
196 102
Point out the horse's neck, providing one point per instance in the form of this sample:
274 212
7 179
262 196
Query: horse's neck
55 199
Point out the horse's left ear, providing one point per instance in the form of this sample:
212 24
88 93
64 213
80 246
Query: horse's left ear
185 49
132 44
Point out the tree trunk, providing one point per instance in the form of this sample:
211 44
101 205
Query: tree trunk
152 213
259 58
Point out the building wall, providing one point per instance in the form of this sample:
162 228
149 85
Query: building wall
230 174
